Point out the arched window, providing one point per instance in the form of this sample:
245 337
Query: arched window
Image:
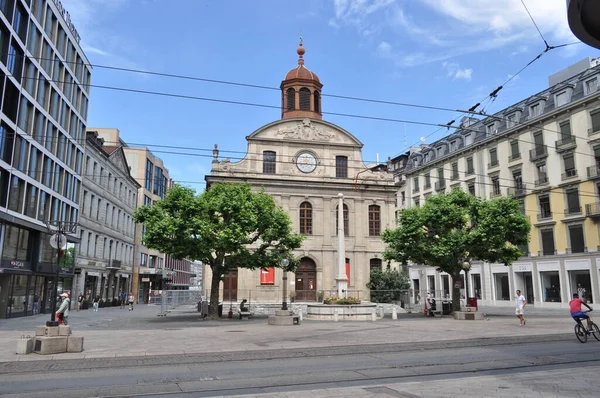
304 99
306 218
375 263
346 219
374 220
317 101
291 99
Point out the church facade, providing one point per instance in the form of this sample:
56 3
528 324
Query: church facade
304 162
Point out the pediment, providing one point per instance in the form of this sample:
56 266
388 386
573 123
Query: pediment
117 157
305 130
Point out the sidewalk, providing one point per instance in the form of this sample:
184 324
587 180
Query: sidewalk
113 332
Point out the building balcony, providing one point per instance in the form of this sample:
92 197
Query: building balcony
440 185
592 210
571 173
454 176
470 172
415 190
565 143
594 131
427 185
517 191
545 215
495 193
541 181
493 164
572 211
512 158
580 249
593 172
538 152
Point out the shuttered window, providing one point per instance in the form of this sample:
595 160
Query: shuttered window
304 99
291 99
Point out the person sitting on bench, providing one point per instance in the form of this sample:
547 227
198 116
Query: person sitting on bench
243 307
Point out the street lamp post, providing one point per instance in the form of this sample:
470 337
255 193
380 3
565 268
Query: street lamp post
58 241
284 264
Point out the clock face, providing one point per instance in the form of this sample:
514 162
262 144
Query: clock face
306 162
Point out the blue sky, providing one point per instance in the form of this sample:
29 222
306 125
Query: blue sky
448 53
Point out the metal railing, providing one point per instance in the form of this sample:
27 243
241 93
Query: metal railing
538 152
175 300
593 172
592 209
565 143
570 173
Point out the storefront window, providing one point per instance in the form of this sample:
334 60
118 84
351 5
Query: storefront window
18 295
47 253
35 295
501 285
550 286
581 284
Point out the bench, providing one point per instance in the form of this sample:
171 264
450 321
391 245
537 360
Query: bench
243 314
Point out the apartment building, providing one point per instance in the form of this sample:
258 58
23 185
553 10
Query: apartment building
104 264
543 151
44 93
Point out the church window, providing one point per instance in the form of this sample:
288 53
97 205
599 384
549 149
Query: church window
306 218
346 219
375 263
304 99
341 167
291 99
269 162
374 220
317 101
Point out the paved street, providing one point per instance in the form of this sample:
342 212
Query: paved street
130 353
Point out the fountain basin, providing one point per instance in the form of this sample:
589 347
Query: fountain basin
343 312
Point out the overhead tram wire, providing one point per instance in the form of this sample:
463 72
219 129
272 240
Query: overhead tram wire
535 24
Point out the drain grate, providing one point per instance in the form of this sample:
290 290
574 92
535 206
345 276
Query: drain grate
235 331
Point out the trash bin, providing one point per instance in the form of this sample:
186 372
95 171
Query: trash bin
472 302
446 308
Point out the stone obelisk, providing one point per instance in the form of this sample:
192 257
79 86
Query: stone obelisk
341 279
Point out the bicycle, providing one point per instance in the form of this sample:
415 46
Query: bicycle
582 333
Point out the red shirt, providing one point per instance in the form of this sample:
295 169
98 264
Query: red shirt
575 305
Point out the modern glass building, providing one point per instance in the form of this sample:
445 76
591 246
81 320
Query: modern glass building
44 94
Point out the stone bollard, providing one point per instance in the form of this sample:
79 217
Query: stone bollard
374 315
336 315
394 313
25 345
300 314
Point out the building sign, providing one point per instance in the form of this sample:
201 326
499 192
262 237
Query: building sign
67 18
522 267
15 264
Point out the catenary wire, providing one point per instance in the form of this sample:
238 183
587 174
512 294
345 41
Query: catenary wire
535 24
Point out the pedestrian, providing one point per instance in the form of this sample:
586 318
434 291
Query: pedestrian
36 304
79 301
96 303
123 299
520 304
63 311
130 301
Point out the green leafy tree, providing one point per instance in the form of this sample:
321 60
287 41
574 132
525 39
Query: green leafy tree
452 229
387 286
227 227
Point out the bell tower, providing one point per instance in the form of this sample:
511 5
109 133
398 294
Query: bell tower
301 91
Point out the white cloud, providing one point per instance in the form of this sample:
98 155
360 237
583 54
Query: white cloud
454 71
89 18
445 29
384 49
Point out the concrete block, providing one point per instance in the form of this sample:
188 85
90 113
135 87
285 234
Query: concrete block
64 330
51 331
50 345
283 313
468 309
75 343
25 346
468 316
287 320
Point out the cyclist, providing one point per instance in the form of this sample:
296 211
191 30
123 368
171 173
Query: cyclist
576 312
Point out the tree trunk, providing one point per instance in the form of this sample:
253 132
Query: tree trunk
213 310
455 293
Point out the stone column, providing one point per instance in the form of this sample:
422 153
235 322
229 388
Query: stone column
341 279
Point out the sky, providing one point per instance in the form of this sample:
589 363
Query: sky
443 53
